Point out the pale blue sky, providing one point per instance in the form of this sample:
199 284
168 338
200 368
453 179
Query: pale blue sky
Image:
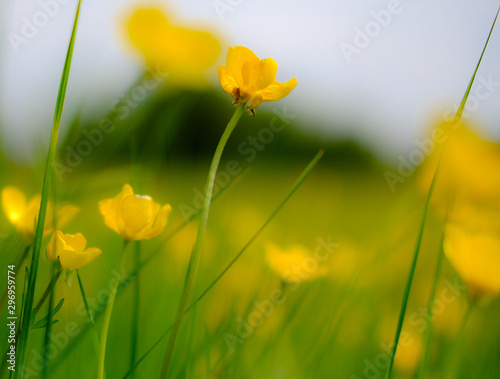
415 66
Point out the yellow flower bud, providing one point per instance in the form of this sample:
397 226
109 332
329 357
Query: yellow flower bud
134 217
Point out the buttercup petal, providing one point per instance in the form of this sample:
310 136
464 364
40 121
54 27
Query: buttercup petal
276 90
267 73
138 213
236 57
160 223
74 260
227 82
106 209
76 242
111 209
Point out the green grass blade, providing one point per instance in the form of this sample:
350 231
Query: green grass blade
48 327
430 306
135 309
464 100
193 261
409 281
294 188
458 117
127 281
107 319
290 193
37 243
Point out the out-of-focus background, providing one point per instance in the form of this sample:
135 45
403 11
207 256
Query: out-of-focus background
382 89
375 80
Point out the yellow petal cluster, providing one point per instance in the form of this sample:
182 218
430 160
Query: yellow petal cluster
475 255
250 79
22 213
134 217
70 249
183 53
295 264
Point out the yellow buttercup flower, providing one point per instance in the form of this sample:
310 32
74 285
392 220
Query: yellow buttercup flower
181 52
250 79
70 249
22 214
134 217
475 254
469 167
295 264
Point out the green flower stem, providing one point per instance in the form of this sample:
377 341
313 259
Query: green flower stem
95 336
47 291
430 307
294 188
107 318
37 243
48 328
413 267
193 262
458 346
135 309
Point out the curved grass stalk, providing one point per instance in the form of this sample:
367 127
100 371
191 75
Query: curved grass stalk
37 242
293 189
125 282
95 336
107 319
409 282
193 261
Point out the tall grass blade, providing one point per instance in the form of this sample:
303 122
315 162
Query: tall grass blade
294 188
193 262
37 243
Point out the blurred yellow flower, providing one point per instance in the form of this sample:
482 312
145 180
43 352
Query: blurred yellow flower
134 217
469 167
182 53
22 214
70 248
250 79
475 254
295 264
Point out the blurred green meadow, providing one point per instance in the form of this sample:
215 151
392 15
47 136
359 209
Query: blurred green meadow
330 314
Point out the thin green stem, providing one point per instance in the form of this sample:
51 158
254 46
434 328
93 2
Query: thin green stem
409 282
193 262
95 336
294 188
47 291
287 197
48 327
413 267
37 242
126 282
458 346
107 318
430 307
135 309
466 95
